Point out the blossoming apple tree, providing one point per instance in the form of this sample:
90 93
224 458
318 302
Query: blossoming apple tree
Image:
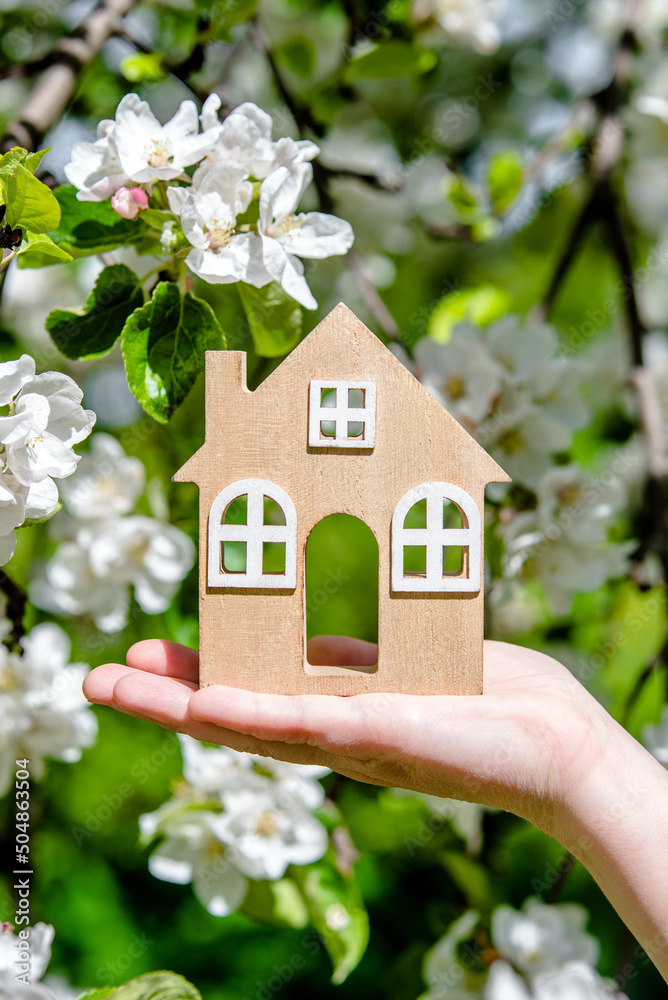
483 183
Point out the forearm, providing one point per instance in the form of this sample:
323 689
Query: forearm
616 824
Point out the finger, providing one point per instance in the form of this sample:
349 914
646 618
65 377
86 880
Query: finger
98 685
341 651
165 701
359 724
169 659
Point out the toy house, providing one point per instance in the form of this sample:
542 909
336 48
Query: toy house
340 426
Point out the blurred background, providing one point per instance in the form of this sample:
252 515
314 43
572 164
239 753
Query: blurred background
504 167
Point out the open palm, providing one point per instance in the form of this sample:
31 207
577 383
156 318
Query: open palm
534 729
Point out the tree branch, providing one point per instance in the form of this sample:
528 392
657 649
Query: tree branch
372 299
14 610
55 87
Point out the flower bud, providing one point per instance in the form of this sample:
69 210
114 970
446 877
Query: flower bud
129 202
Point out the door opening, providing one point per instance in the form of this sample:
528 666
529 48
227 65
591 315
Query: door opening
341 597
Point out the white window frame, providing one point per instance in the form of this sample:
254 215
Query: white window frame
434 537
254 533
342 414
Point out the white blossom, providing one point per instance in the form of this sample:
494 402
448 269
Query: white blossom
525 443
564 543
42 707
573 981
521 348
286 236
460 374
69 586
208 213
13 376
234 817
106 549
44 420
245 137
92 573
149 151
269 828
542 936
95 168
36 946
563 565
509 388
655 738
475 23
107 481
544 953
193 851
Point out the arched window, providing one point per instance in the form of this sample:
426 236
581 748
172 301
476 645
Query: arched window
432 540
253 539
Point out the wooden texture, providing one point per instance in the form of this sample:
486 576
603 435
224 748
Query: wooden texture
429 643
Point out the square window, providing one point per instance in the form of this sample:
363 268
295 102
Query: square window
273 557
233 557
415 560
342 414
453 560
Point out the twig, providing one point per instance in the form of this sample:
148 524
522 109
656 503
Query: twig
564 867
183 70
15 611
321 175
56 85
300 112
372 299
585 219
641 680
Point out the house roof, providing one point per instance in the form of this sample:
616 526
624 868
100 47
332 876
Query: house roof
342 328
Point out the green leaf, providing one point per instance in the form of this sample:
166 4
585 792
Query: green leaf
277 903
481 306
92 333
463 198
155 218
227 14
150 986
139 67
274 318
30 204
91 227
472 878
505 173
18 155
33 160
337 912
163 347
298 54
38 249
390 59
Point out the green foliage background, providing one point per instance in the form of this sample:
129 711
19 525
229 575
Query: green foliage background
113 920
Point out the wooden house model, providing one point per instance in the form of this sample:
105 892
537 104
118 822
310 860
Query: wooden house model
340 426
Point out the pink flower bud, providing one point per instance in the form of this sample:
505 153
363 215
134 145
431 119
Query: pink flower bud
129 202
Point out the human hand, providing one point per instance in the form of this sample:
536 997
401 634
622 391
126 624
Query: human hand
526 745
536 743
